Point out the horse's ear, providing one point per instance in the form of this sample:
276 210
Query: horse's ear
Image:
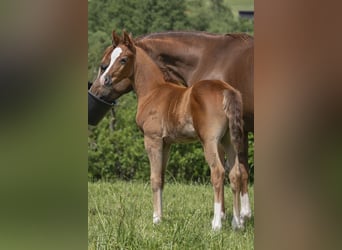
115 39
128 41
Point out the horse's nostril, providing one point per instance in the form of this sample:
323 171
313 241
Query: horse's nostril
107 80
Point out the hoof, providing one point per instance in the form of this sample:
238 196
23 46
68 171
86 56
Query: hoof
246 213
237 225
156 219
245 216
223 216
216 224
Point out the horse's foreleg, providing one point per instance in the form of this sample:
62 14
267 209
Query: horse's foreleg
235 183
154 149
222 154
166 152
217 179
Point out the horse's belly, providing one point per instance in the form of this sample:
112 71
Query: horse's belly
181 134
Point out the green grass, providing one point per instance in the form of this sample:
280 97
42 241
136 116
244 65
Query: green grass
120 217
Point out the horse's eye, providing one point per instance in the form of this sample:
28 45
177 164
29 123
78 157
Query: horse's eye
123 61
103 67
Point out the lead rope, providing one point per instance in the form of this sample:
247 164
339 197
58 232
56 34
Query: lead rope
112 120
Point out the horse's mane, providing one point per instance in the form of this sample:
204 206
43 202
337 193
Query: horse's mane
198 34
166 72
242 36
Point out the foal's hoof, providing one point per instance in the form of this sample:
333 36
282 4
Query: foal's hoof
245 214
223 216
237 225
244 217
216 225
156 219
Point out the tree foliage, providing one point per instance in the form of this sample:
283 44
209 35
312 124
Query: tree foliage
119 152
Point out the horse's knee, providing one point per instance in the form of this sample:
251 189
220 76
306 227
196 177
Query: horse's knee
217 176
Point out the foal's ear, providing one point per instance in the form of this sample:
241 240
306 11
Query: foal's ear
128 41
115 39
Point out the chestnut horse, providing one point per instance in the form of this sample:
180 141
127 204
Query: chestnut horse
188 57
209 111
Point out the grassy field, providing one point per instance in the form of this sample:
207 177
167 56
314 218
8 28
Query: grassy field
120 217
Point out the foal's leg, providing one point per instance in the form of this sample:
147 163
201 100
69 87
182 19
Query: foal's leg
217 178
245 212
235 183
222 154
158 157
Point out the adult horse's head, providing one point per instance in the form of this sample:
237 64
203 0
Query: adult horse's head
113 79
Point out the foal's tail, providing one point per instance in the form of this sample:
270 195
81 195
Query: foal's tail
232 104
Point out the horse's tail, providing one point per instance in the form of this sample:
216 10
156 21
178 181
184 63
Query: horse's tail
232 103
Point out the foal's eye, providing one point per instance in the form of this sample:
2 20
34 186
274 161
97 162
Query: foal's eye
123 61
103 67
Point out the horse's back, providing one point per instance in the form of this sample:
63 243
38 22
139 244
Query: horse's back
207 96
205 89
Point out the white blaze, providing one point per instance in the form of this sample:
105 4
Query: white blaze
115 54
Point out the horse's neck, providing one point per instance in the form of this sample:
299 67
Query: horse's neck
173 56
178 48
147 75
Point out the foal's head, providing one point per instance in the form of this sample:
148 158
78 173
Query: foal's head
116 69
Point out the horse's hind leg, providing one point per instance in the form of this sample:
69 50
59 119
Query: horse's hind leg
217 179
235 183
245 210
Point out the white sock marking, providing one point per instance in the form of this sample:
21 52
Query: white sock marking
245 207
156 215
236 223
216 223
156 218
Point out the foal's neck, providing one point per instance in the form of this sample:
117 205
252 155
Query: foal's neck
147 75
